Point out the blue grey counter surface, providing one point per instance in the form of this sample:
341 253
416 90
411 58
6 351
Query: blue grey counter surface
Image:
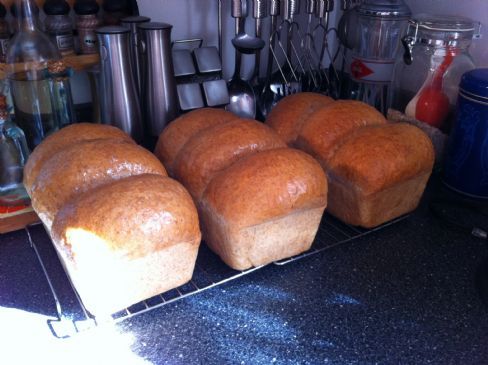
402 295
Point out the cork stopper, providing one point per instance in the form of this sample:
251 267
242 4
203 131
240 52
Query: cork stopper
56 67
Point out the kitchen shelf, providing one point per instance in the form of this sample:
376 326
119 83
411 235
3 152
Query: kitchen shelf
209 272
76 62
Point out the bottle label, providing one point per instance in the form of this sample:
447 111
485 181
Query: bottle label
364 70
90 40
65 42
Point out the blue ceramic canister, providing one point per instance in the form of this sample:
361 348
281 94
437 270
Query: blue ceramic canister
466 168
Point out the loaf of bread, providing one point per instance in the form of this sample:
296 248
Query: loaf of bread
288 116
376 172
83 166
127 241
65 137
265 207
379 173
179 131
325 128
216 148
258 200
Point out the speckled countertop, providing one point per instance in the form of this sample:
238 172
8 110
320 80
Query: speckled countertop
402 295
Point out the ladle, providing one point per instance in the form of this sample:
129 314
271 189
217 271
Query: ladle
247 44
242 97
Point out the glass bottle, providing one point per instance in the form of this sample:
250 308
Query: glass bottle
59 26
427 77
61 95
27 60
13 156
14 12
4 33
87 22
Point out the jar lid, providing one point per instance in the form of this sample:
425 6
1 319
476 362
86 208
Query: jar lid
154 26
86 7
112 29
475 82
135 19
56 7
384 9
444 23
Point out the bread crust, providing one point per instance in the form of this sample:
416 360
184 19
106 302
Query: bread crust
84 166
289 114
214 149
377 157
151 212
127 241
179 131
267 185
327 126
379 173
66 137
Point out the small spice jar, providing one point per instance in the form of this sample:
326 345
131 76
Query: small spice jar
4 33
14 153
60 92
58 25
87 22
114 11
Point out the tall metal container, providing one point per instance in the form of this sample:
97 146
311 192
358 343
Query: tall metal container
159 86
132 22
118 92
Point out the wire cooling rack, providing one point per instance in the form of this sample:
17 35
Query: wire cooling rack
210 271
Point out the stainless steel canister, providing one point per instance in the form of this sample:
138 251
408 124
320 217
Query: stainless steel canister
119 102
159 86
132 22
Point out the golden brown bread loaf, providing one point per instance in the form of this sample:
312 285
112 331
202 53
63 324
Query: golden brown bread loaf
179 131
324 128
65 137
265 207
216 148
378 173
84 166
258 200
288 116
127 241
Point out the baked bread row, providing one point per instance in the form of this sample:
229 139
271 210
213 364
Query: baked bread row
122 228
258 200
377 171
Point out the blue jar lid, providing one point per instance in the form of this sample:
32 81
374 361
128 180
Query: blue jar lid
475 82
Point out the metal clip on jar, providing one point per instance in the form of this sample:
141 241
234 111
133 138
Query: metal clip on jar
59 26
87 22
427 77
466 168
